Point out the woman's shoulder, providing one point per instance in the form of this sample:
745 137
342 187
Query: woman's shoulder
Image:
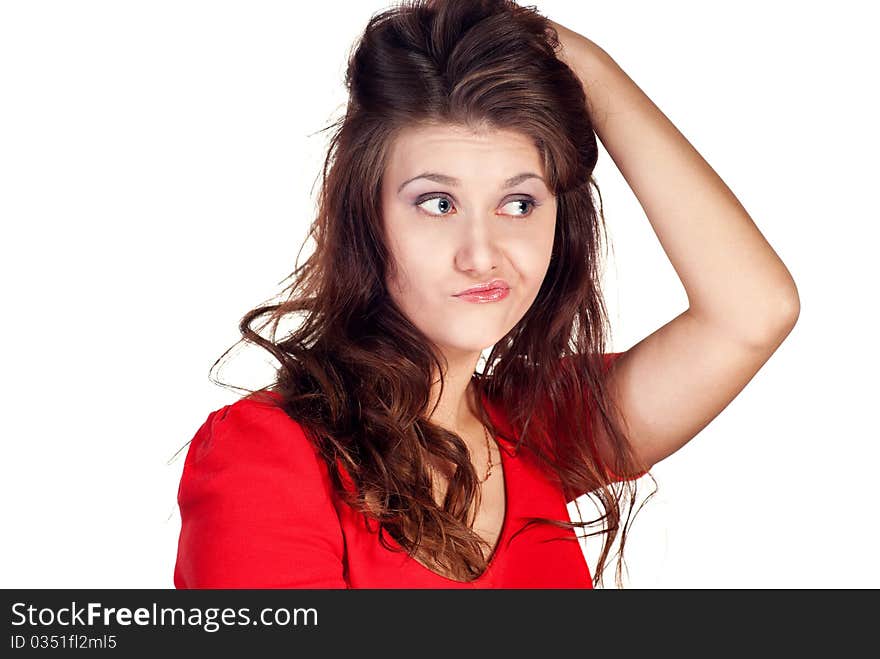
256 505
253 433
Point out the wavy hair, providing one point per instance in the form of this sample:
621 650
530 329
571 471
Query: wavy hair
356 374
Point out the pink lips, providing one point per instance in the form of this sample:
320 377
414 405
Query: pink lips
497 289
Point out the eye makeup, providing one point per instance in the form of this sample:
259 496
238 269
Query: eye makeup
532 204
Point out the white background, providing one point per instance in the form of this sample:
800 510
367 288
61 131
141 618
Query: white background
157 162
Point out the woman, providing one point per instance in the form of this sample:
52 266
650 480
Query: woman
456 215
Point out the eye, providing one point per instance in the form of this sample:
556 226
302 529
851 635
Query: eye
526 203
447 202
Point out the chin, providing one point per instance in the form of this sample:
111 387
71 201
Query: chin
470 347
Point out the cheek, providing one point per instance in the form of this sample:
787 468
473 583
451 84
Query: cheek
403 234
532 254
411 251
412 276
545 242
398 248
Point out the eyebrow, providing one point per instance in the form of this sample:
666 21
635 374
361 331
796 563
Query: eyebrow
449 180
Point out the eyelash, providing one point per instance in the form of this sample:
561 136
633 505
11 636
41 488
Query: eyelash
529 200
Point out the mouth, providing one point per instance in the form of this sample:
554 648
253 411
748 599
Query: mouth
490 292
495 285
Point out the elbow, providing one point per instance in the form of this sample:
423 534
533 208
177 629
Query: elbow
789 308
792 309
760 323
778 321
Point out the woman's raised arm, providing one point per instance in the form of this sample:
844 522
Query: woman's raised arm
742 299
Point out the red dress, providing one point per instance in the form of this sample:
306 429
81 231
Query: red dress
257 511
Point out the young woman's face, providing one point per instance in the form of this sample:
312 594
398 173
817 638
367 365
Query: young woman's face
446 236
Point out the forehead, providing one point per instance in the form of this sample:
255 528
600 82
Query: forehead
462 151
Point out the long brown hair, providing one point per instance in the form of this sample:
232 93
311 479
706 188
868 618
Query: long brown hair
356 373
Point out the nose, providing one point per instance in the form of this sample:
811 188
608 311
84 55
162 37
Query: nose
478 250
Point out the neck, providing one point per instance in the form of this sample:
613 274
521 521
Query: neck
456 408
